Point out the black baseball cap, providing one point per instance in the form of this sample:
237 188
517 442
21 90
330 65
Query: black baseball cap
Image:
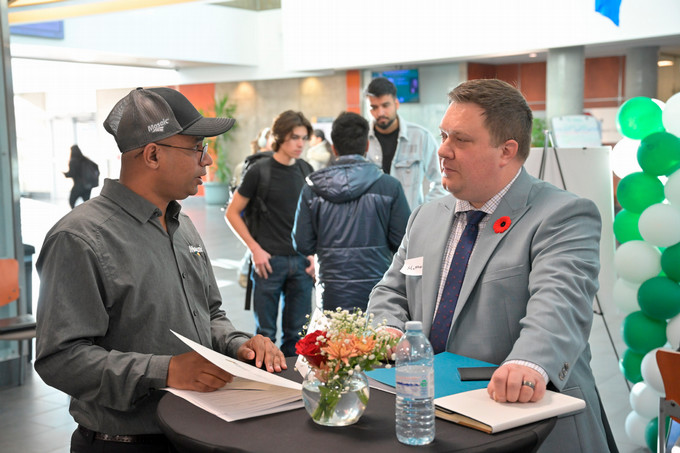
148 115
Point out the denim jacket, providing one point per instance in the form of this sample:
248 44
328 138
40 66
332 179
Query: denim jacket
414 159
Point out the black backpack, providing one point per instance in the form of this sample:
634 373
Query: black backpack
90 173
256 210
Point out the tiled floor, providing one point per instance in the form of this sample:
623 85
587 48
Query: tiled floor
35 418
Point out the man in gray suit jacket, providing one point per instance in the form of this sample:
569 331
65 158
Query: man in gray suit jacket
526 298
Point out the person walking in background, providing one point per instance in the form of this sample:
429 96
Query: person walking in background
85 175
279 272
353 216
404 150
319 152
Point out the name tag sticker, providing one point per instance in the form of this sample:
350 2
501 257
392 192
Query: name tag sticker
413 266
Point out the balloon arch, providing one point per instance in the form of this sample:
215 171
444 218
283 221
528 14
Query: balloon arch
648 260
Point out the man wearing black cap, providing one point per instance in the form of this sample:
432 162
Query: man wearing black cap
105 337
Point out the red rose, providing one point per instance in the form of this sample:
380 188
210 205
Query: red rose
310 348
502 224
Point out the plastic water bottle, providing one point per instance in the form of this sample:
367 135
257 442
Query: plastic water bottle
415 387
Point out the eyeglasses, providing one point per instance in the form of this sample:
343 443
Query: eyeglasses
202 148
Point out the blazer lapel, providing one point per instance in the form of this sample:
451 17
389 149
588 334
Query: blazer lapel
514 205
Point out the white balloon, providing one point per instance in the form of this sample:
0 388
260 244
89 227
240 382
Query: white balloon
660 103
625 296
660 225
637 261
673 332
671 115
635 427
651 373
644 400
672 189
623 157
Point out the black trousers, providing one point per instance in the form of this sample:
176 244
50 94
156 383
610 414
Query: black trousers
83 441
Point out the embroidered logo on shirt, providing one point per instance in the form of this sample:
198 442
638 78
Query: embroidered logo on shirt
195 250
159 126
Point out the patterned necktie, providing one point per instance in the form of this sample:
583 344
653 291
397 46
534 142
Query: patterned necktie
454 281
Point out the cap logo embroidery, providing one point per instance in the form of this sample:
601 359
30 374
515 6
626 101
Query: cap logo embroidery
159 126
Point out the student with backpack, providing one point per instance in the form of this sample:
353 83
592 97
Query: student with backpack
85 175
268 197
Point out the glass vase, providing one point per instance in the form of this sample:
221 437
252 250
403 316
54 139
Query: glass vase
340 402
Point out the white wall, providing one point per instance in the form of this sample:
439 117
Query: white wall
359 33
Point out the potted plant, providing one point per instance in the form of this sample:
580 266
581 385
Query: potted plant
219 173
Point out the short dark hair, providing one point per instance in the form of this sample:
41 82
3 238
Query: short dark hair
350 134
319 133
381 86
284 125
507 115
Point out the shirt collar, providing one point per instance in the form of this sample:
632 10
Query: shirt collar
137 206
490 206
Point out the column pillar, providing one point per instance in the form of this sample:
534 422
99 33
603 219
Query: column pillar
642 72
564 82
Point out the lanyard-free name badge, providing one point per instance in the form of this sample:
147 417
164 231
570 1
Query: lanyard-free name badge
413 266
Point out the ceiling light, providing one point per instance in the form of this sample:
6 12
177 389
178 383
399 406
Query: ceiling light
664 63
533 55
164 63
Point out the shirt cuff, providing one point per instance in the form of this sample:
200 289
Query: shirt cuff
533 366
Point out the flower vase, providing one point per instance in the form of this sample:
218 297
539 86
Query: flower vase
338 402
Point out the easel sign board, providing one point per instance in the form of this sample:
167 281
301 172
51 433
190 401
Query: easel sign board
576 131
587 173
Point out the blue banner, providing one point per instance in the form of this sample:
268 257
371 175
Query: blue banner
609 8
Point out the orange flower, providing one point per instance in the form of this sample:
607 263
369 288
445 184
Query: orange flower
341 349
363 345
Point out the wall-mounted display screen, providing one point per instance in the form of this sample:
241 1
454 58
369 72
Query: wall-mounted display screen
406 81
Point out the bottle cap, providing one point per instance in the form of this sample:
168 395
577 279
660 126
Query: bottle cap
414 325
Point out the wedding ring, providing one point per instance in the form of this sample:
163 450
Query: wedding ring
529 384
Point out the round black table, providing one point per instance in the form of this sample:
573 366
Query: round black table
194 430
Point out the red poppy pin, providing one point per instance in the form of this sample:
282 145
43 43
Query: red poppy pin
502 224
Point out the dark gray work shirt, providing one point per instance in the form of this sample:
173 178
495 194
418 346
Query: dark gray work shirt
113 283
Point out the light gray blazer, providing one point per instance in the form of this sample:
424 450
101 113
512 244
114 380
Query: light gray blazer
527 293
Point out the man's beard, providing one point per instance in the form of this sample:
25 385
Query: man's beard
385 125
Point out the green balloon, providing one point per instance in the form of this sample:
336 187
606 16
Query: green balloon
659 298
638 117
670 262
638 191
652 434
642 333
631 365
626 226
659 153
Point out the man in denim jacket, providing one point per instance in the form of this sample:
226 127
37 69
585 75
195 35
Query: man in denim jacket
404 150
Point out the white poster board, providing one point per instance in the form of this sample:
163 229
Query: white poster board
576 131
587 173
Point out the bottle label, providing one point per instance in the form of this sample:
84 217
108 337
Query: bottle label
417 384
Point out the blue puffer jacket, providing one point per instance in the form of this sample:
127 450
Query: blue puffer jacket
353 217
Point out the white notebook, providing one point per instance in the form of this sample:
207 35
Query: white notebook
476 409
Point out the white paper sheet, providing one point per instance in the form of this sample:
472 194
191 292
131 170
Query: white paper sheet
238 368
252 393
